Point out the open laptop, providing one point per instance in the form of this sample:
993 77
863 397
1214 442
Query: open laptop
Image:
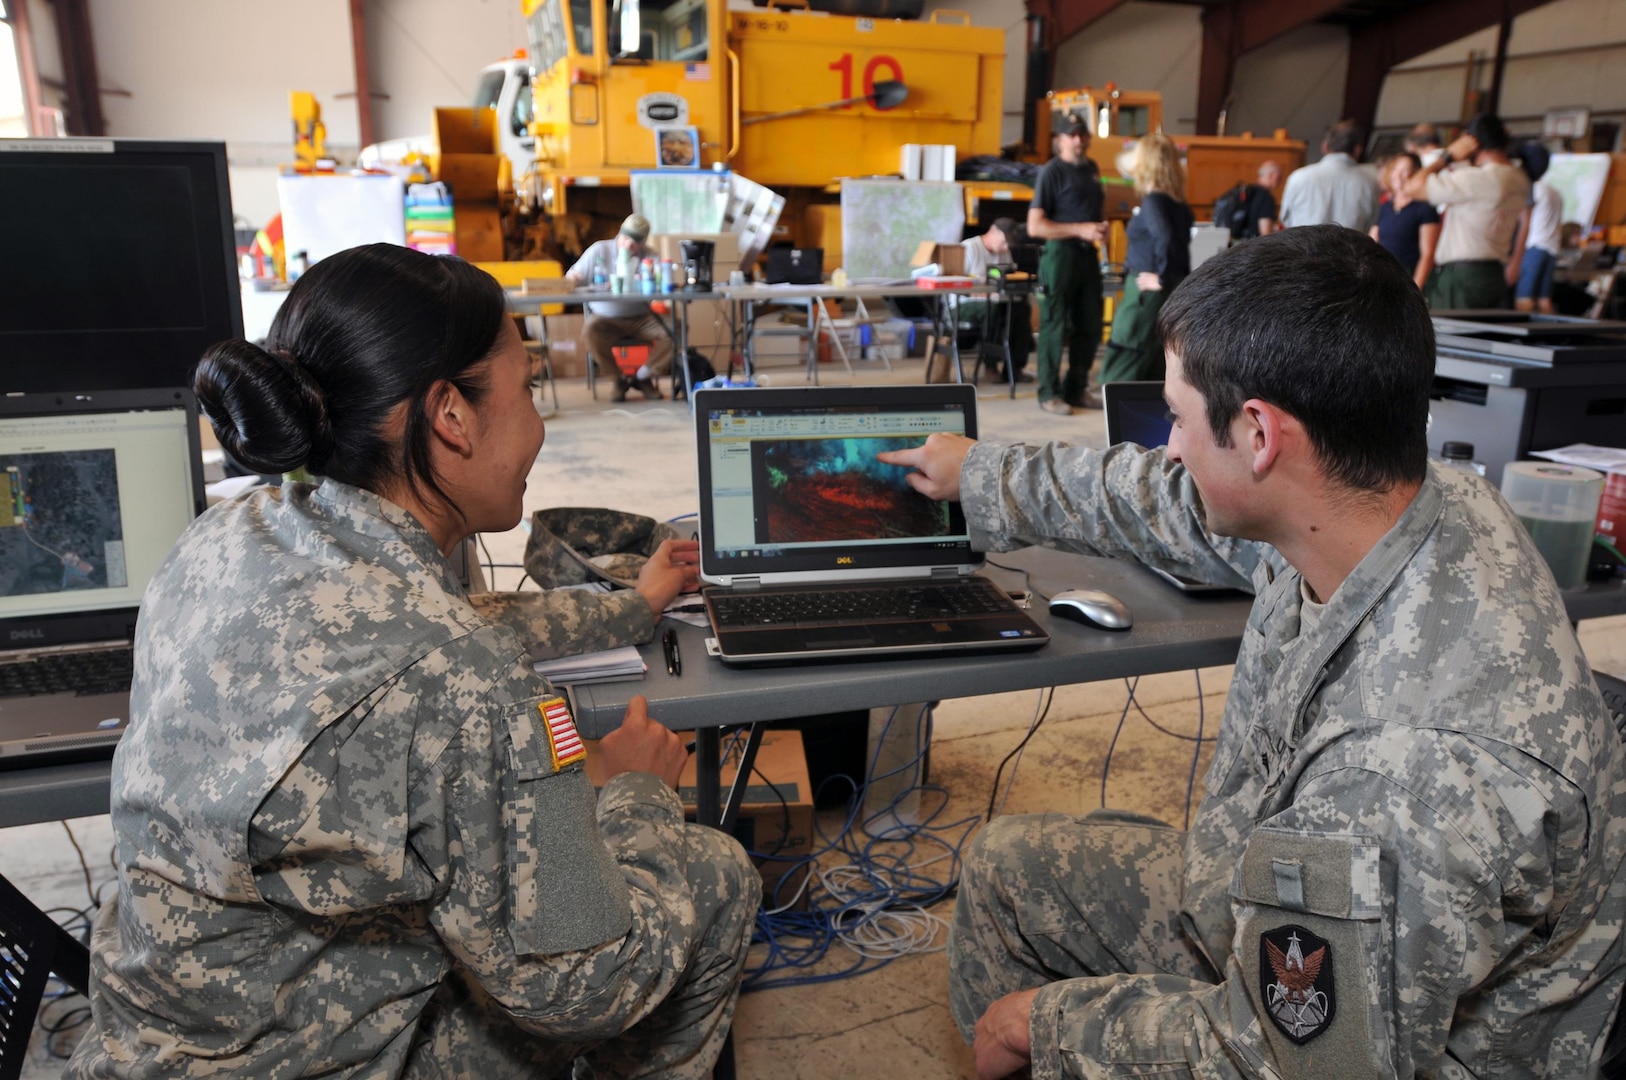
1136 413
814 549
94 490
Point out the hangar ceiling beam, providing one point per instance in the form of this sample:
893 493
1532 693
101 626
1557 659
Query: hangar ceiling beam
1238 27
1380 45
1064 18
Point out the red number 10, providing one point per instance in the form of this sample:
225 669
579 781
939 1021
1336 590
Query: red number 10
845 67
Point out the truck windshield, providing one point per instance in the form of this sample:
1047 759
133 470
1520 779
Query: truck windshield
672 30
489 89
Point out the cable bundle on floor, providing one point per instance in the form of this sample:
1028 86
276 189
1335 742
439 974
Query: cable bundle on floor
874 903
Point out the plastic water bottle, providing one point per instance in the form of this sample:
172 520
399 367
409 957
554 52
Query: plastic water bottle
601 277
1460 456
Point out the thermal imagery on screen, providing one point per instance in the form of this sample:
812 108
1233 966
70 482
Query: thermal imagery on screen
823 490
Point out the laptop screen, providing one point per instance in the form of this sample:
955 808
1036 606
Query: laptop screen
790 483
91 500
1136 413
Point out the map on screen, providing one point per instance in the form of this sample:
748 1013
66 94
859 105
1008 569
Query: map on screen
60 527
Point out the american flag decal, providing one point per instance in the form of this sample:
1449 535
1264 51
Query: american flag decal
562 735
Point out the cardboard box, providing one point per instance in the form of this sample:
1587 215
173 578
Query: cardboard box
566 349
950 258
821 228
780 825
467 160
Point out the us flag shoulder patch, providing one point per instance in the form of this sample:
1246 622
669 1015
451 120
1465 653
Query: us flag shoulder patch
563 738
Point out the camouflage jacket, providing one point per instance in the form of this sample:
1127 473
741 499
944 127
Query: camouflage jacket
565 622
339 786
1425 783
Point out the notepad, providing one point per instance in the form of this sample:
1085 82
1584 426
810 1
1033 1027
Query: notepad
604 666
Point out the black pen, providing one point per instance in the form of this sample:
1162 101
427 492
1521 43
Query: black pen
674 660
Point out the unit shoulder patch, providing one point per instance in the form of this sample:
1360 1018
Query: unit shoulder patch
563 738
1295 981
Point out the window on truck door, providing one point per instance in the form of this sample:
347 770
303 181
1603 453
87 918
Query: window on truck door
581 22
546 31
672 30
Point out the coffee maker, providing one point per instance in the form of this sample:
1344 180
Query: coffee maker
697 256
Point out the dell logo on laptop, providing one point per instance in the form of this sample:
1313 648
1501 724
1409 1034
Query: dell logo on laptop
844 560
34 634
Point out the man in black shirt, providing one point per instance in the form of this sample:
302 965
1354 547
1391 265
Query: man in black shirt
1066 214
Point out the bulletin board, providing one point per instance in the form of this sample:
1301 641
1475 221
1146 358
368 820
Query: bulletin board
883 221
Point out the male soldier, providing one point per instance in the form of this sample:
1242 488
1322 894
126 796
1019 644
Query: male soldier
609 321
1409 861
1066 214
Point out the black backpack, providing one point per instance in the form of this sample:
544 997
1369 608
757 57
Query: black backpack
700 370
1231 212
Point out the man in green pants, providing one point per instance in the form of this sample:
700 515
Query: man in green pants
1485 194
1066 214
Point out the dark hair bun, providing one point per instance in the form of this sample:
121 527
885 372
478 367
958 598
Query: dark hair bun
267 409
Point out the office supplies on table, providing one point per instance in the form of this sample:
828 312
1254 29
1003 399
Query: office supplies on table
94 490
796 266
813 548
1092 607
674 659
603 666
1135 412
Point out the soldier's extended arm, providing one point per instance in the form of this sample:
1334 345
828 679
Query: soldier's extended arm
568 622
1124 501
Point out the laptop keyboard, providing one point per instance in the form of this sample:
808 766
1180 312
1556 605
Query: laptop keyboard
99 671
856 605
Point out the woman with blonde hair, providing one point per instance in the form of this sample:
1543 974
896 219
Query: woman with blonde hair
1159 258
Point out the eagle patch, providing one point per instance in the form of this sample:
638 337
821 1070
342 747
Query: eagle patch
1295 981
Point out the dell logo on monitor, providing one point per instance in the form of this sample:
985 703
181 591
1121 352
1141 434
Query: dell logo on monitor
844 560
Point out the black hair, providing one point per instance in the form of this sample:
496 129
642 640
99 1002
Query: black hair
1325 324
1344 137
361 332
1488 129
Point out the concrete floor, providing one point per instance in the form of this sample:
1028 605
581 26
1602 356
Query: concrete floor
895 1021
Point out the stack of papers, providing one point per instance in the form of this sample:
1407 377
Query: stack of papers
1587 456
606 666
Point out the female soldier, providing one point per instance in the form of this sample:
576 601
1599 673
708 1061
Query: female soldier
353 833
1159 258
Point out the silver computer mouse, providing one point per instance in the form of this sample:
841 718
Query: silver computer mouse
1091 607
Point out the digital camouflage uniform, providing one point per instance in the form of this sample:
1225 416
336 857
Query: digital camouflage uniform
574 546
1409 859
347 845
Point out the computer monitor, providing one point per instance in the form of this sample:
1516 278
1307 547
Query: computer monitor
118 264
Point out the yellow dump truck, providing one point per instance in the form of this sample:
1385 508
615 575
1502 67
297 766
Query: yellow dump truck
783 95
